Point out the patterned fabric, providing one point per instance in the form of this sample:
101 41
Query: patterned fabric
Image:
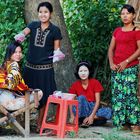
125 105
41 37
12 79
2 77
85 109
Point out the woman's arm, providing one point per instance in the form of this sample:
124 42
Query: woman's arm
26 31
56 44
21 36
13 75
89 120
111 54
97 104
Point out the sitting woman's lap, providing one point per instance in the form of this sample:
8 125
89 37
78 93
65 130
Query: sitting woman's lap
85 109
12 102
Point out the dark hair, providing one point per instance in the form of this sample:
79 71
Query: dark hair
10 50
47 5
83 63
129 8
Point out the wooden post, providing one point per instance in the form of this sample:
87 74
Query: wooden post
138 93
27 114
137 23
16 113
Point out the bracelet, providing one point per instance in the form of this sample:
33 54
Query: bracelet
127 60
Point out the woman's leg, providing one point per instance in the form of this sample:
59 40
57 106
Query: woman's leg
104 113
133 105
14 104
10 102
40 118
36 95
124 103
85 107
118 98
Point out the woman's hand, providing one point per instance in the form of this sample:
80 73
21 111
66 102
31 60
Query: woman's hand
58 55
20 37
122 66
89 120
114 67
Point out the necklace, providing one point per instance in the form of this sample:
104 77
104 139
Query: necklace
128 28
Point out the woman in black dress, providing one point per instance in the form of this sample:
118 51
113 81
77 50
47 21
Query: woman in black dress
44 49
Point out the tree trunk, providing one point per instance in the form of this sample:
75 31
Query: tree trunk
64 70
136 5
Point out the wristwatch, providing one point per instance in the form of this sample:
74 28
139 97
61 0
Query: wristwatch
127 60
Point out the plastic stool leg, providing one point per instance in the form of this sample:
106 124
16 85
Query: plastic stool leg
76 119
57 114
44 118
41 130
64 121
70 127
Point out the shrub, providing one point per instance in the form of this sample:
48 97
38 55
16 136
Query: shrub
90 25
12 22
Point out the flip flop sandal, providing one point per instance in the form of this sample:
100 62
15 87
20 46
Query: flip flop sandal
84 125
51 133
136 132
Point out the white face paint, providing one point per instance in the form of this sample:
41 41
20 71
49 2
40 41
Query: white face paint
83 72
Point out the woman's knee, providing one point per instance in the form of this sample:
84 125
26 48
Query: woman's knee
39 93
105 112
81 98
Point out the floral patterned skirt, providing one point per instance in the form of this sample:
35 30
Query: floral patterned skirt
125 105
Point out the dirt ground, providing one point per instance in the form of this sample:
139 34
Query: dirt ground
106 132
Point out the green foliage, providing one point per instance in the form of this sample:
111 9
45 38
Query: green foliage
90 25
11 23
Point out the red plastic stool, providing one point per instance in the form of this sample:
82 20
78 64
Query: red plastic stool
69 127
59 115
60 125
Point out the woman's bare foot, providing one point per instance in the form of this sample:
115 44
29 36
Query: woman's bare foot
72 117
40 118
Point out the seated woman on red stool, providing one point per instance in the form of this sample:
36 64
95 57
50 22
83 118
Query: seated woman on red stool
88 92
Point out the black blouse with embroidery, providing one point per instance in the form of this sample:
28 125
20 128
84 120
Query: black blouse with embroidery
41 45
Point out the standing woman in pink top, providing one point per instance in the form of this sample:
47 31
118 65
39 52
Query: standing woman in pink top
123 54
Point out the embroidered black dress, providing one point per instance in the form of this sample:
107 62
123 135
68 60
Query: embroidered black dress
38 72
